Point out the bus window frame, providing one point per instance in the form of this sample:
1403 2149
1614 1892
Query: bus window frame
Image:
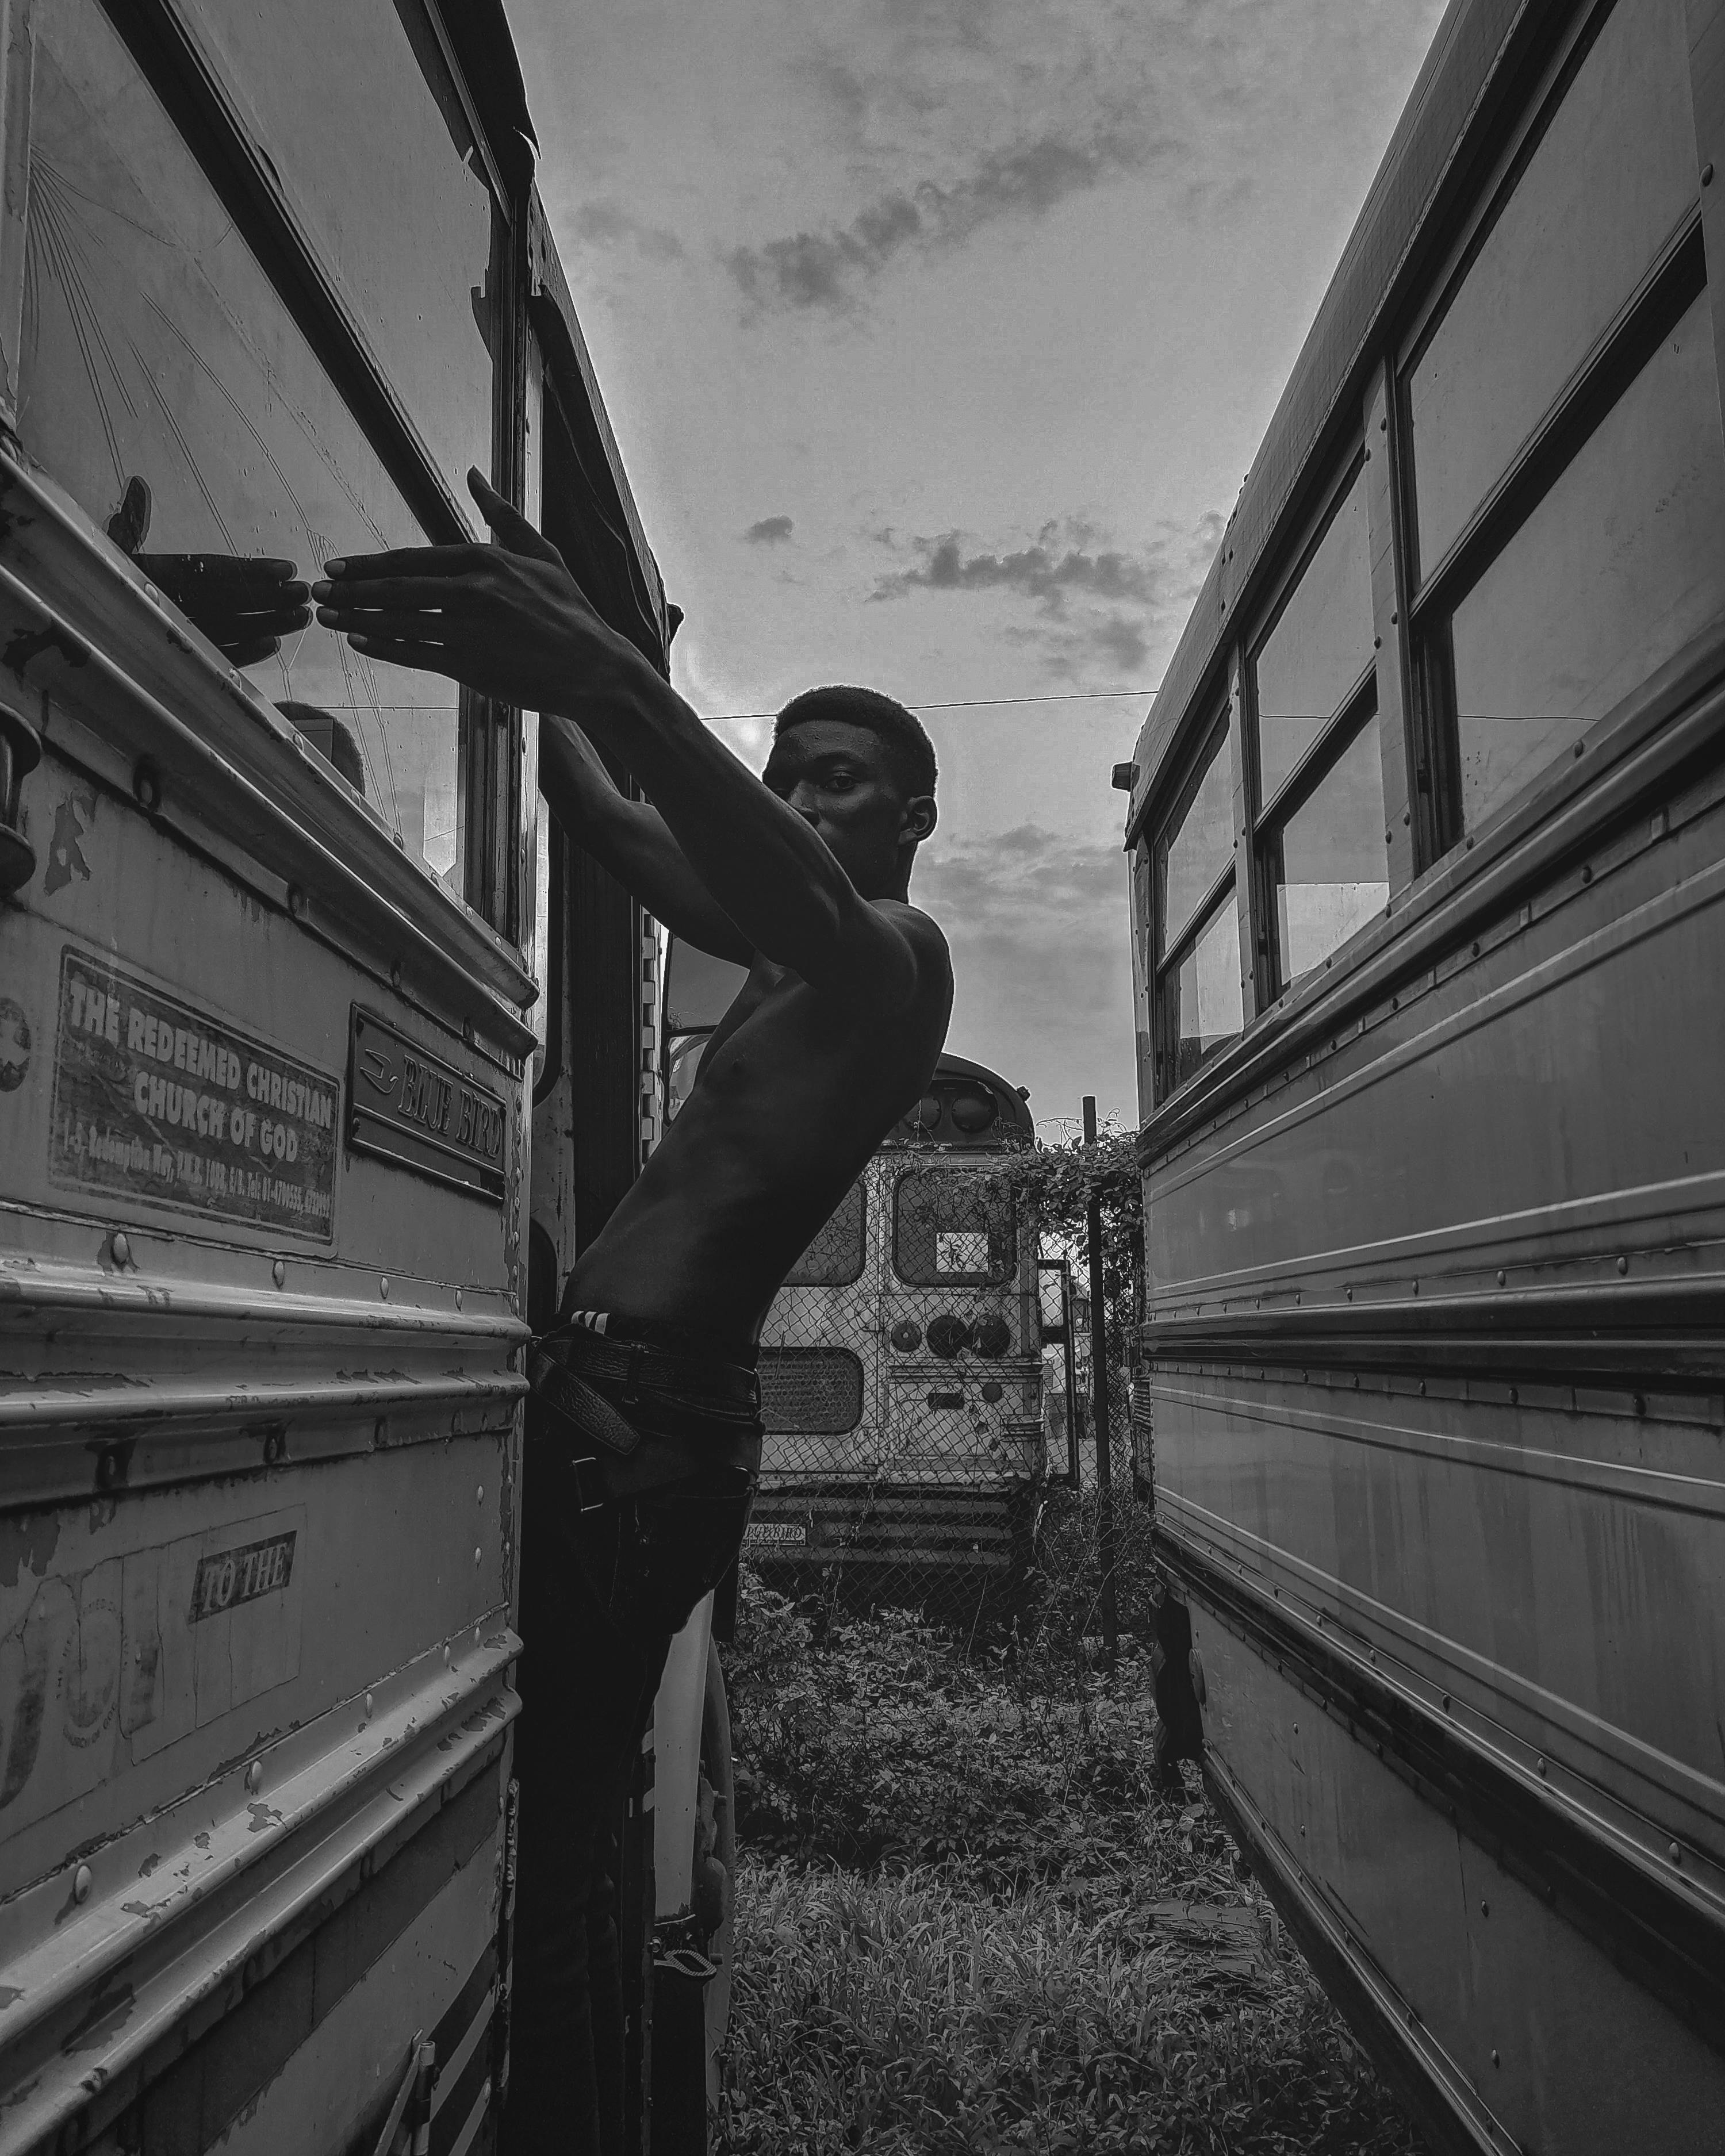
1209 742
1360 702
1444 881
1676 276
208 117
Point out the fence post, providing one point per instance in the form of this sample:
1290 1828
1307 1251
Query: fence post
1099 1406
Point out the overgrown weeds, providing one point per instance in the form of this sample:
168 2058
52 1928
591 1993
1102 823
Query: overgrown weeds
968 1923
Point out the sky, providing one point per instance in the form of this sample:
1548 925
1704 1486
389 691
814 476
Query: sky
937 336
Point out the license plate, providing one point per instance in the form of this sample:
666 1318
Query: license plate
772 1530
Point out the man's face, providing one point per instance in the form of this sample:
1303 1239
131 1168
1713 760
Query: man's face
839 779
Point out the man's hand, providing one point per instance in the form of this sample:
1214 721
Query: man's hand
243 605
508 621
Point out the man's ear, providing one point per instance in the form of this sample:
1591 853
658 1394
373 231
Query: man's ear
920 817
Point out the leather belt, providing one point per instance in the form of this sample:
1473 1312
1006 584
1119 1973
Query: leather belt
604 1442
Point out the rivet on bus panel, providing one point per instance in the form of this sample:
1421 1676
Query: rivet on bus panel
380 1430
122 1248
371 1707
296 902
1496 2060
1677 1854
1539 1766
395 973
383 1287
81 1883
458 1298
478 1557
147 785
1706 176
107 1468
480 1494
254 1776
279 1273
1486 1911
1623 1264
1501 1277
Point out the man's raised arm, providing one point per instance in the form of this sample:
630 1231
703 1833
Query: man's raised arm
511 622
632 841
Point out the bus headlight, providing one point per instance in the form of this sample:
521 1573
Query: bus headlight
948 1335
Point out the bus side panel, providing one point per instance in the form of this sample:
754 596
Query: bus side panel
1538 2041
1468 1424
259 1431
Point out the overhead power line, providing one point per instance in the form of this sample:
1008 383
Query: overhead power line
974 703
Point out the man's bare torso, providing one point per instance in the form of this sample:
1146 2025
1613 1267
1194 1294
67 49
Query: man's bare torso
796 1090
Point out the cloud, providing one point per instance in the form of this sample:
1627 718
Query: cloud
1087 609
1037 922
608 224
769 532
827 268
1059 564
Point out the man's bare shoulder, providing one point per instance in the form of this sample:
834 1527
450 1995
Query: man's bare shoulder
921 931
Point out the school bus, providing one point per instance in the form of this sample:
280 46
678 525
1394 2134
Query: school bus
319 1057
1427 853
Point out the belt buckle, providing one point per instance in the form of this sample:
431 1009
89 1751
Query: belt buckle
584 1503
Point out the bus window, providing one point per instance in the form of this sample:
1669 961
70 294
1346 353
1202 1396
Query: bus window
1603 189
834 1259
401 213
1330 866
1621 564
1568 470
164 385
699 988
1198 1003
1311 663
950 1231
1320 836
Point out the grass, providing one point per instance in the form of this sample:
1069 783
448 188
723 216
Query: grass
965 1923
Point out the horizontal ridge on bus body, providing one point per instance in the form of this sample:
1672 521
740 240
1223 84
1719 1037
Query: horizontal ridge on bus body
1428 853
268 967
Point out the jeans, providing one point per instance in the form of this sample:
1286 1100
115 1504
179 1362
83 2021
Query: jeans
603 1593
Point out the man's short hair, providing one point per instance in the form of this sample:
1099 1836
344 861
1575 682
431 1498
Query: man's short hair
910 750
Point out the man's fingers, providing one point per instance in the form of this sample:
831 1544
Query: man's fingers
219 575
431 595
434 561
407 651
517 534
412 623
249 654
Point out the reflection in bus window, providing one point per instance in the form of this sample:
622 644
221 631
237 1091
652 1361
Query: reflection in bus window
376 161
682 1063
1606 185
699 988
835 1257
1321 644
1621 564
1197 841
951 1229
1202 994
1331 863
155 348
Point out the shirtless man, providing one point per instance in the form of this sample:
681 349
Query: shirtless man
643 1433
